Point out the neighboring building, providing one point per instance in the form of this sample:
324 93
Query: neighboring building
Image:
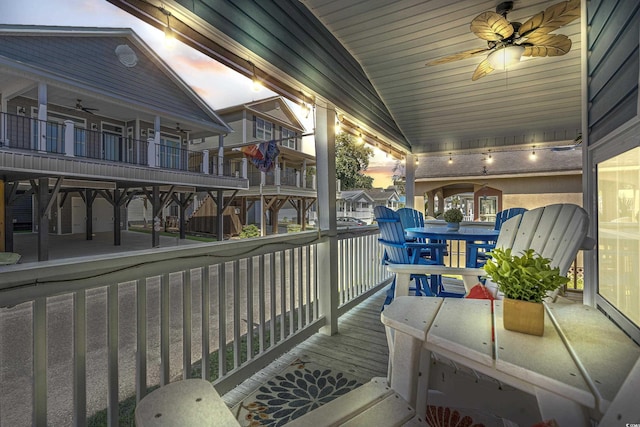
359 204
486 183
285 194
91 119
385 197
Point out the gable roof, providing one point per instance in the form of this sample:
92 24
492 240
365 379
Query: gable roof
84 60
355 196
382 196
285 115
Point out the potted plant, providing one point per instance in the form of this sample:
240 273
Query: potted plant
524 280
453 217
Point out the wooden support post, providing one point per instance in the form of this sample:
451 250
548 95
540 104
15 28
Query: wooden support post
90 196
156 209
220 216
117 218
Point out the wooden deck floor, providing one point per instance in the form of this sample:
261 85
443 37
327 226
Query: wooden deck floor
359 349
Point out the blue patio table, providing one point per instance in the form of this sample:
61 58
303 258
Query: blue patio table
467 234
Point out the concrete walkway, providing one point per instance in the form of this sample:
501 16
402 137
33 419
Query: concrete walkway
76 245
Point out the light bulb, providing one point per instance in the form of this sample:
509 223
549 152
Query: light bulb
169 37
505 57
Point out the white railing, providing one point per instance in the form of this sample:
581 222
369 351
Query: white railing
82 340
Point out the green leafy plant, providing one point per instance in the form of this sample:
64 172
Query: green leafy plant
250 230
528 277
453 215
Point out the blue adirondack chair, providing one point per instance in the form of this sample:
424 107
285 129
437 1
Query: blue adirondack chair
477 252
409 218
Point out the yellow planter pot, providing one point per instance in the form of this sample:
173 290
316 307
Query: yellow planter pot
523 316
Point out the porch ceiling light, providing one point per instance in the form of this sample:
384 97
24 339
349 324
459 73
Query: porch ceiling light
169 35
532 156
256 86
503 58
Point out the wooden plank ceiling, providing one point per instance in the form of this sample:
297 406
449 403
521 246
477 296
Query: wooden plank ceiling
438 108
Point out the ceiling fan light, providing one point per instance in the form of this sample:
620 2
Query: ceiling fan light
505 57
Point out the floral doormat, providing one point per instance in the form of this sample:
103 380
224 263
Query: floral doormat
302 387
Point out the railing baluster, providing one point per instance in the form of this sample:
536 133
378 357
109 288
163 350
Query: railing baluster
292 288
112 336
272 294
236 314
249 283
300 305
307 300
80 358
141 339
206 313
283 296
164 330
40 362
186 324
222 320
261 304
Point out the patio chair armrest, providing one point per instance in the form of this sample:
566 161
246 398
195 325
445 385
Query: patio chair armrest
403 274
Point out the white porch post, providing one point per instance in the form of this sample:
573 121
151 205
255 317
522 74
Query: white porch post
328 250
276 173
304 173
42 117
221 155
410 184
69 138
205 162
152 159
3 120
245 172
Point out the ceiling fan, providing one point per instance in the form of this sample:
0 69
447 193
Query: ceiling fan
81 107
508 41
181 130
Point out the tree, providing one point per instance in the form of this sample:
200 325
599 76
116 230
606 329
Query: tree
399 177
351 160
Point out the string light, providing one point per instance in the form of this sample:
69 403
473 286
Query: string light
169 35
256 86
450 159
532 156
489 158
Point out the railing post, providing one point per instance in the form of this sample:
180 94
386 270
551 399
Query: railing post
69 138
205 162
304 173
298 179
244 168
220 161
277 175
152 159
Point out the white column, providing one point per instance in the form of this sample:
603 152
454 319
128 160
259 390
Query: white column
245 172
42 117
3 120
304 173
152 159
298 179
327 251
220 161
205 162
69 138
410 184
276 175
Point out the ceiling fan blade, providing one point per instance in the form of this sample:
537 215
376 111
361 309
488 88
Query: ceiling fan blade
482 70
547 45
551 18
460 55
491 26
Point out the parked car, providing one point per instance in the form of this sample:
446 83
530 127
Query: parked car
349 221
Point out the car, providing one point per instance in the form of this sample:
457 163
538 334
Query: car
349 221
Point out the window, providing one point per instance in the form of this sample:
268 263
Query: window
618 203
288 138
264 129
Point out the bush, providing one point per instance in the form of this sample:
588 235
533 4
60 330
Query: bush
453 215
248 231
293 228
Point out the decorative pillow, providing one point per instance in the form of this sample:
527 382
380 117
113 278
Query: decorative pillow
480 292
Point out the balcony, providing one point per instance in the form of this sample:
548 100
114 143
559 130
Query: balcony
66 149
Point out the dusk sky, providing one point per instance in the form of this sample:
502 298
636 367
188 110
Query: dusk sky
218 85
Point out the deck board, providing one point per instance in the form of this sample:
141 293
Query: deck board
360 348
